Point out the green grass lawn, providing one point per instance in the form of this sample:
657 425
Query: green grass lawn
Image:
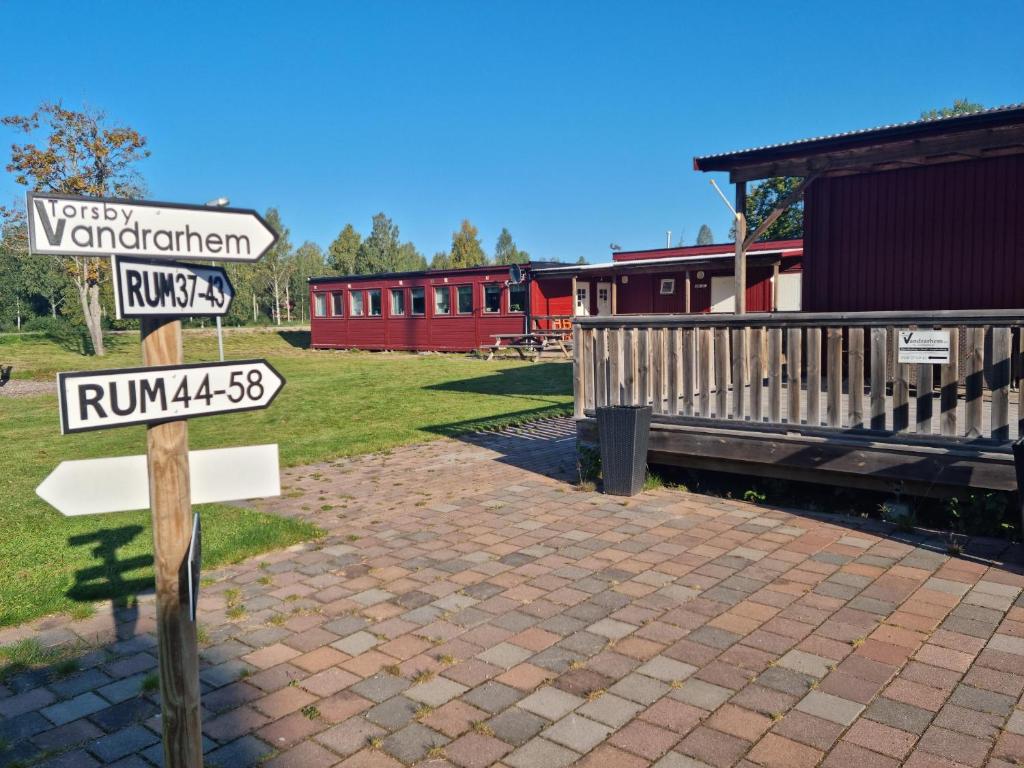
334 404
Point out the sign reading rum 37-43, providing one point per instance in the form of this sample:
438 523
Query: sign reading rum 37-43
65 225
119 398
145 288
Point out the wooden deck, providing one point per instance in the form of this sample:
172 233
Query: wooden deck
829 402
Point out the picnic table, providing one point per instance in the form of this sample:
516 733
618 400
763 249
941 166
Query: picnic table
529 346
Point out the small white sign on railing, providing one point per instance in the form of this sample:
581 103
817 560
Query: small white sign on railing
922 346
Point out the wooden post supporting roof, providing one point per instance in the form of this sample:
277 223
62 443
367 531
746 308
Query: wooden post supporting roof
740 269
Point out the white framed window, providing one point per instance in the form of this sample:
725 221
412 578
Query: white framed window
492 297
667 286
355 301
374 302
442 300
398 301
338 304
517 298
419 305
319 304
464 299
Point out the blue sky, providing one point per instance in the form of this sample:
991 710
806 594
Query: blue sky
573 124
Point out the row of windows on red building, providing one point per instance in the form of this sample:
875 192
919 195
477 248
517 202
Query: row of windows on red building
366 302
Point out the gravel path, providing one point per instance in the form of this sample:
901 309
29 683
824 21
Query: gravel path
25 388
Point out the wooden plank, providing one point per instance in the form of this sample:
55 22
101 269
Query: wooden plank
578 379
688 372
739 371
657 370
756 365
614 367
814 376
901 398
601 368
590 370
1000 383
704 351
643 380
673 362
171 503
740 263
974 380
794 367
925 385
834 378
855 377
629 364
721 373
879 350
949 386
775 375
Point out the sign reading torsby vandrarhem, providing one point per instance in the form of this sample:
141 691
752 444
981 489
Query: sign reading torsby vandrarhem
83 226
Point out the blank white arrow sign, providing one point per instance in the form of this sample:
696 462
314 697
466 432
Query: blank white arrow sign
121 483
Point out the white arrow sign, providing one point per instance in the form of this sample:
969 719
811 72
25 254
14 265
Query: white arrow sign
120 484
65 225
169 289
118 398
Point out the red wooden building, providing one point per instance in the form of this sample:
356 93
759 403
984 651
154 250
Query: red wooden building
449 310
695 279
923 215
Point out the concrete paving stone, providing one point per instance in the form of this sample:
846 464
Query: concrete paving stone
786 680
356 643
381 687
234 723
436 692
906 717
829 707
666 669
241 753
80 706
577 733
28 724
393 713
474 750
412 743
1016 722
12 706
122 743
611 710
492 697
611 629
505 655
541 752
640 688
87 680
516 726
231 696
121 715
550 703
584 642
350 736
676 760
807 663
346 625
713 747
702 694
982 701
306 755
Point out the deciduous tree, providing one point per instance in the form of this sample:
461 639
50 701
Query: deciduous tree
466 249
960 107
78 153
342 253
308 262
277 265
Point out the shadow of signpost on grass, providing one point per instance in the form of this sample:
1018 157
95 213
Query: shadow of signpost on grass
109 580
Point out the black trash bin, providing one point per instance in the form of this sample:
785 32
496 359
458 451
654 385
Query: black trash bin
623 431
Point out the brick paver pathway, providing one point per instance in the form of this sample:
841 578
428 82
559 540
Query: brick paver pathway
471 608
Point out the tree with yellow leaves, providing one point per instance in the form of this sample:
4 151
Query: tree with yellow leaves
79 154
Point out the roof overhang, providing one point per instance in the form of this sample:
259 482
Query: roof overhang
670 264
983 134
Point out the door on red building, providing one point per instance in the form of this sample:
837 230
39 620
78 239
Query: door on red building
604 299
582 306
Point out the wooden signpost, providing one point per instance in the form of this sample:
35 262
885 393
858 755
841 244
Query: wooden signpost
66 225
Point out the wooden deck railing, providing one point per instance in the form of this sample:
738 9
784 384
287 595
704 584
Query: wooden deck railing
837 371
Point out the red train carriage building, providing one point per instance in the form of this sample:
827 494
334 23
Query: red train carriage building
459 310
449 310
